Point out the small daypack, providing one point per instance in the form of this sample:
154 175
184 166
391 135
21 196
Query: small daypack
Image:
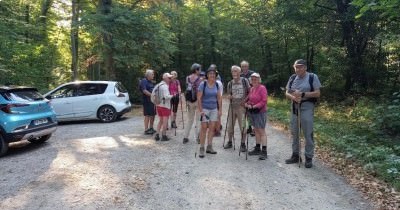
191 90
310 81
155 95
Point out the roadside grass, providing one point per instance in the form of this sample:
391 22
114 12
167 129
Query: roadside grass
351 132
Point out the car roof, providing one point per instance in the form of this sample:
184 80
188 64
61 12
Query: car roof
5 88
89 82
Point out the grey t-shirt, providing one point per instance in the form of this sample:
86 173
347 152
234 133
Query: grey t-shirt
303 85
237 90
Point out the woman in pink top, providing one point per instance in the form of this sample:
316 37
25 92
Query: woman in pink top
256 105
175 90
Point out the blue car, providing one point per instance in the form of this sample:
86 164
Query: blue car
24 115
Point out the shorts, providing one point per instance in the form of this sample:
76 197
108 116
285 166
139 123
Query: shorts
210 115
163 112
258 120
148 109
174 103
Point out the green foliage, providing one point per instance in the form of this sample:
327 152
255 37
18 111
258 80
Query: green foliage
353 131
387 116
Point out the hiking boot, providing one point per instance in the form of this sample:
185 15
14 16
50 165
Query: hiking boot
148 132
173 124
165 138
263 155
255 151
228 145
201 153
185 140
152 130
294 159
210 150
157 137
243 148
308 163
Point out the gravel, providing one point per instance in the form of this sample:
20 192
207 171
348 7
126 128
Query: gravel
93 165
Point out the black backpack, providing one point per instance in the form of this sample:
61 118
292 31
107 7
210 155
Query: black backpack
310 81
191 90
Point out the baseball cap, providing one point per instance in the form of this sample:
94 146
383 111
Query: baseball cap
195 66
300 62
255 75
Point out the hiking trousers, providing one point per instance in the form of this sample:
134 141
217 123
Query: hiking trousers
236 112
307 123
191 115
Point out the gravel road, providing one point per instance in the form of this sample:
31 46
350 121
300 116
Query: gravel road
91 165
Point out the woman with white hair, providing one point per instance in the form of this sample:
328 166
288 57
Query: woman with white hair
256 105
164 106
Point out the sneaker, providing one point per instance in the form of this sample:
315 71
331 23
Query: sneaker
201 153
173 124
157 137
228 145
165 138
210 150
243 148
294 159
185 140
263 155
255 151
308 163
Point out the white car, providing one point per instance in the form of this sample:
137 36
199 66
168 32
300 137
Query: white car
104 100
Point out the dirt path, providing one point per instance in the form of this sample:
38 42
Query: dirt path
90 165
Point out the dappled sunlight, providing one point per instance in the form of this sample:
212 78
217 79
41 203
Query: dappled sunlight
95 145
132 140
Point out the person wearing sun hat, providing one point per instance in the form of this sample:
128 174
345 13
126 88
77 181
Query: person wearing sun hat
302 89
164 108
209 98
256 105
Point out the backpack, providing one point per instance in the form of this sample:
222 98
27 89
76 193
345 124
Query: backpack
204 87
310 81
155 95
246 89
191 90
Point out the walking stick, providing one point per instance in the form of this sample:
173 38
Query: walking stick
226 125
233 127
183 120
247 143
244 121
298 130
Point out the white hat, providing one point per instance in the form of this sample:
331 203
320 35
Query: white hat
255 75
166 75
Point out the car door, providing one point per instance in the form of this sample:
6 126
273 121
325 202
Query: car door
62 101
87 100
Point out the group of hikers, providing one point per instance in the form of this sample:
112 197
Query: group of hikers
247 105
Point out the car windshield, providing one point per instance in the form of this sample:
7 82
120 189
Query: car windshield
22 95
121 88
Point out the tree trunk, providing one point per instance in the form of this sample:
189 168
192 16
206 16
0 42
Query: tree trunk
74 39
104 8
44 10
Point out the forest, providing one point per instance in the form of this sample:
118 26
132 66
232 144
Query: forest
352 45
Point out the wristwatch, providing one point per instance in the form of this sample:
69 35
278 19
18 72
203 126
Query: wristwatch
303 94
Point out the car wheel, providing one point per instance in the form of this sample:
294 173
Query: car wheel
107 114
40 140
3 146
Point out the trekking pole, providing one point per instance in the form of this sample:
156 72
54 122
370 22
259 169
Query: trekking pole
183 120
247 143
244 121
298 130
226 125
233 127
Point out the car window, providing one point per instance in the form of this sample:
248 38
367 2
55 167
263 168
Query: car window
64 92
91 89
121 88
22 95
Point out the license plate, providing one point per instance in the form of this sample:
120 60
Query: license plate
40 121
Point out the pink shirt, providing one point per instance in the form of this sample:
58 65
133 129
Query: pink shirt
258 97
173 87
